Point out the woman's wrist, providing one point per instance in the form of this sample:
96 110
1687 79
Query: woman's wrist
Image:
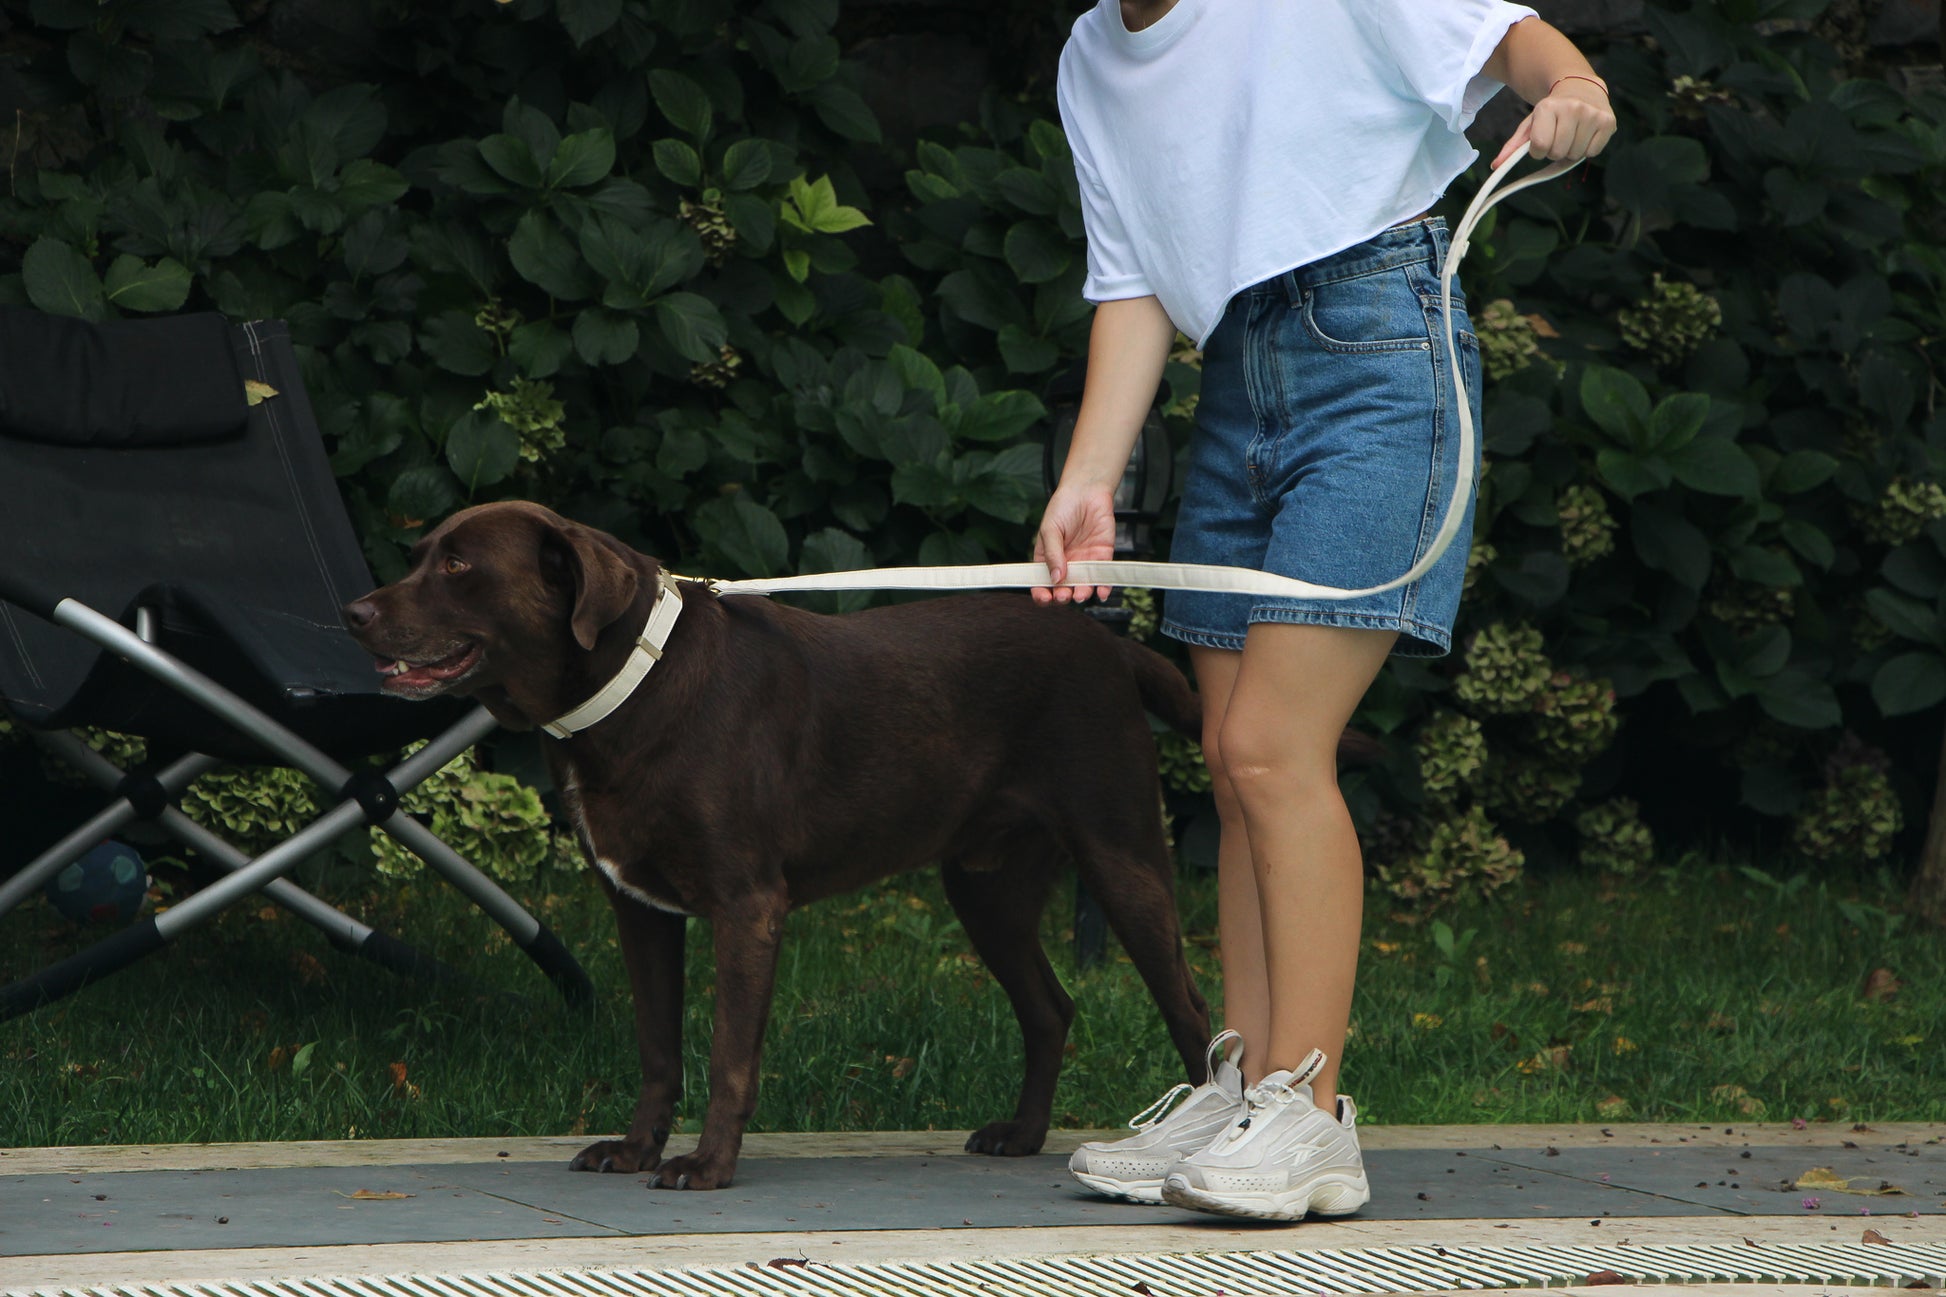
1596 82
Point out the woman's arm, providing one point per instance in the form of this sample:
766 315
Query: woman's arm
1572 117
1128 346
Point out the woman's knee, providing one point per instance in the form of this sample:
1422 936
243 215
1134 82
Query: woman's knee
1265 756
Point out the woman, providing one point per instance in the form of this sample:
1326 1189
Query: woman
1255 174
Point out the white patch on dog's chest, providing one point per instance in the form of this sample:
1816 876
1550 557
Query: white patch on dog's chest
571 798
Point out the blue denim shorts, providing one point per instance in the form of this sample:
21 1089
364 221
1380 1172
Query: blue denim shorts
1327 439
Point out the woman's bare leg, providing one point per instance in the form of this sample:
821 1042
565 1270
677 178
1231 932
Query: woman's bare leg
1291 878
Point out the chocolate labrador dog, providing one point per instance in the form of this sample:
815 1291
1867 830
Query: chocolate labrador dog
774 756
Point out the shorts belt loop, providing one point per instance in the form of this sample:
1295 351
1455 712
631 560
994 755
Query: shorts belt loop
1293 287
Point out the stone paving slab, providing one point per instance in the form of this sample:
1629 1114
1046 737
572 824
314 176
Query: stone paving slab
97 1211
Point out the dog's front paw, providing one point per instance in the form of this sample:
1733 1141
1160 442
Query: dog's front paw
1006 1139
616 1155
693 1171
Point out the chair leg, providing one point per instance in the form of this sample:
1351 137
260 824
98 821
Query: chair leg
103 824
528 933
151 934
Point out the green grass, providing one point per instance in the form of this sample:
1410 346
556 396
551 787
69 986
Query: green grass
1693 995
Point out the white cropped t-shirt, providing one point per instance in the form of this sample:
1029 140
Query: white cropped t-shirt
1233 140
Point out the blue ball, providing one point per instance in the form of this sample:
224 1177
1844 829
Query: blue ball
106 885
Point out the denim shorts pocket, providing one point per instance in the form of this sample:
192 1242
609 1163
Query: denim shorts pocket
1379 311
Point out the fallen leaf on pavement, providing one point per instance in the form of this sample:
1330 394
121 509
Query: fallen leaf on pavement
1824 1178
373 1195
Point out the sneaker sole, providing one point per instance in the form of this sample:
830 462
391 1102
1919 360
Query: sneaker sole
1340 1195
1142 1191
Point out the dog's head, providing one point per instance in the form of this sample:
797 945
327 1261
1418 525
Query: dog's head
507 595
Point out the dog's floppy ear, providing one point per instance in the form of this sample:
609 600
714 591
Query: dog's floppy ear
604 583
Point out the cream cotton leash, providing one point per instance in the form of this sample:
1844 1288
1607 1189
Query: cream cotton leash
1203 576
1123 572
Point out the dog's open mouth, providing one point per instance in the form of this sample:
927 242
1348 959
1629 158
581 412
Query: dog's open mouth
404 677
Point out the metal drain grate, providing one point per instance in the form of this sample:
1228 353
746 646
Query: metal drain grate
1237 1274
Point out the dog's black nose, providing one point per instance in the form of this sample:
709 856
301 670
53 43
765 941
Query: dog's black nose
359 615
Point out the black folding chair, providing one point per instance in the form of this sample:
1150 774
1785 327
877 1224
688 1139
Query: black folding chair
164 535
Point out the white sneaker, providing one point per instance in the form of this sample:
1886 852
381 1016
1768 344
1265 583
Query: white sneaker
1283 1159
1133 1168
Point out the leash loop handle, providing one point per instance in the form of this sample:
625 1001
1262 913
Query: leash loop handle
1207 577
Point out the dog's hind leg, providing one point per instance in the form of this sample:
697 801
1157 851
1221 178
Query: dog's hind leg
652 947
1001 912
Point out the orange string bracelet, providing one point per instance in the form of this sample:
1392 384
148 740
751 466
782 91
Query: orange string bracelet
1576 76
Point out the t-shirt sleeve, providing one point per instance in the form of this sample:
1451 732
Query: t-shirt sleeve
1113 270
1440 47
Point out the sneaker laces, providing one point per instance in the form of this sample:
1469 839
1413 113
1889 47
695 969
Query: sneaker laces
1161 1108
1262 1095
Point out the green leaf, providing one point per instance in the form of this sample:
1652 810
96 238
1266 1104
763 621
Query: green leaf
1810 542
513 158
60 281
1000 416
1911 682
364 183
587 19
1618 404
1036 252
1024 353
833 550
1796 698
813 207
544 255
1716 466
482 449
682 101
844 112
582 159
682 451
603 337
746 533
746 164
1765 567
1906 618
1630 475
422 494
456 344
1676 421
301 1060
798 263
1668 542
693 326
919 373
794 300
679 161
538 348
1801 471
754 219
1027 190
135 286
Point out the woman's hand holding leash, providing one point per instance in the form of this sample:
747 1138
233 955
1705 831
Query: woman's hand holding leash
1574 121
1079 524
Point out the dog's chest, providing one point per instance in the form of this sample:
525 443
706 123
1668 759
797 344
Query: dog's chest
618 860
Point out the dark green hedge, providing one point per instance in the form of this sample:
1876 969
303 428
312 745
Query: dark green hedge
616 255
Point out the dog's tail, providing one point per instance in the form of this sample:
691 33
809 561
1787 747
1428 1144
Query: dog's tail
1166 693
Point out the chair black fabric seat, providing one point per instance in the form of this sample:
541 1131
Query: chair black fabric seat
240 547
172 561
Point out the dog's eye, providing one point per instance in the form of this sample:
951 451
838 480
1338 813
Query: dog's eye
454 566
